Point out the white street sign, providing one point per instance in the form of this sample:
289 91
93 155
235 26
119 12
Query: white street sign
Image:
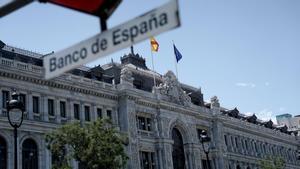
151 23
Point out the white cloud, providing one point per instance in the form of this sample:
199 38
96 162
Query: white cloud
266 115
242 84
282 109
267 84
249 113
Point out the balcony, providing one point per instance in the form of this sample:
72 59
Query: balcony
146 133
4 62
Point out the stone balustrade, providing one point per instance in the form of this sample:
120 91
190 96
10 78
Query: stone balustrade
4 62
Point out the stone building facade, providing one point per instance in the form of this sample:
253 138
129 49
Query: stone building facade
292 123
162 123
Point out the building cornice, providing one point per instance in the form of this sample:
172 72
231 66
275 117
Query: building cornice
59 84
260 131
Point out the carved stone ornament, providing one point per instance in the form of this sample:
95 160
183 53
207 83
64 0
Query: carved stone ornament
126 75
214 101
171 88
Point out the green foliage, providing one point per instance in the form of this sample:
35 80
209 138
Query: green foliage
96 145
272 163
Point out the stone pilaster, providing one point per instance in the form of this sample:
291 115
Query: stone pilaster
47 159
93 112
127 121
167 153
45 113
81 112
68 109
57 110
30 107
217 142
1 102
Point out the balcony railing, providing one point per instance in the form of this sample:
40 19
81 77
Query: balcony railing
20 65
146 133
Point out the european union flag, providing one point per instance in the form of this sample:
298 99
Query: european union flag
177 53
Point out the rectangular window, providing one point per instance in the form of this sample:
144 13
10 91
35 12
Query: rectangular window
144 123
109 115
246 144
62 108
148 123
236 142
138 84
147 160
205 164
5 98
225 138
255 147
35 104
23 100
87 113
51 107
76 111
99 112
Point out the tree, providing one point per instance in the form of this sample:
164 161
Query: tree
96 145
272 163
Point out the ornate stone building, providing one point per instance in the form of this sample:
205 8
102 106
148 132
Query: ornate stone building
162 123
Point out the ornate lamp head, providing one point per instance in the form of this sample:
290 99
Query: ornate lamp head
15 110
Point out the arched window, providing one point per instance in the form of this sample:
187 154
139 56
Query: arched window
178 151
29 154
3 153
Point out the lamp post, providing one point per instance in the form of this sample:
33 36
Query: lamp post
205 141
15 109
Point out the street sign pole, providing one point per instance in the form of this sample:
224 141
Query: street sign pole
12 5
152 23
103 24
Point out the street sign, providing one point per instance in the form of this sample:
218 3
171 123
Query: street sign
8 6
149 24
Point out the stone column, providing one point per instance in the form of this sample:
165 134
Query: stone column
30 108
93 112
115 116
104 113
44 101
127 116
69 110
217 142
48 161
10 151
57 109
197 156
159 153
81 112
190 156
1 102
167 153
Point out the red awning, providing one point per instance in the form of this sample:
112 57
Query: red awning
90 6
102 8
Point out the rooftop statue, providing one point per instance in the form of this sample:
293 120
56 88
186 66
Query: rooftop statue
171 88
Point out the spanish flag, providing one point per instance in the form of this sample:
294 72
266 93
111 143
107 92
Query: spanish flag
154 44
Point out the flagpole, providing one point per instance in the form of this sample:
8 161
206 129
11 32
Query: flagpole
175 62
153 67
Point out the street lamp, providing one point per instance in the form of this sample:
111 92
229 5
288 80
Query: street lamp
205 141
15 109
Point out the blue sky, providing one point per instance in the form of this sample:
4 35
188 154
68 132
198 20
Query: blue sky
244 51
